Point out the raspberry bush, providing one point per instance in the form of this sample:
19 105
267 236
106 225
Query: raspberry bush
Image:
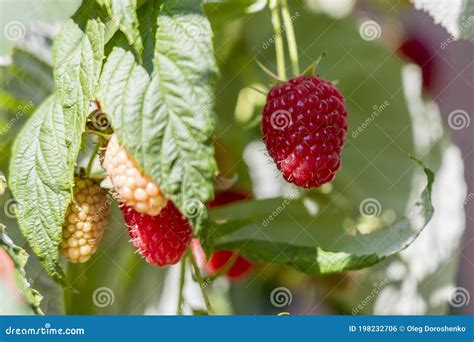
139 147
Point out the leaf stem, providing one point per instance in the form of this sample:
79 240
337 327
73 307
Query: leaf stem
202 285
179 309
92 158
290 37
279 48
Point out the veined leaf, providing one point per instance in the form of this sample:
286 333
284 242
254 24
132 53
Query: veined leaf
166 122
276 237
19 258
124 13
45 152
40 179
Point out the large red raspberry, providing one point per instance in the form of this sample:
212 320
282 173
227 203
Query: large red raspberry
160 239
304 125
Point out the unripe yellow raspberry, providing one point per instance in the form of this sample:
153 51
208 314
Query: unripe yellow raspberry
85 222
135 189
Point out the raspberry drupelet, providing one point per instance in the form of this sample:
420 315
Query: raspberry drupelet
304 126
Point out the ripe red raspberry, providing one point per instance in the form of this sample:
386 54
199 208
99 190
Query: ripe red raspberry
160 239
239 268
134 188
304 125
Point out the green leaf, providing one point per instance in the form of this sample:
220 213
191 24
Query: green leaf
221 12
148 19
167 123
124 12
457 17
45 152
41 181
19 258
314 245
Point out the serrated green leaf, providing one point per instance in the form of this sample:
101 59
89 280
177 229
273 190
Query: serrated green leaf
19 258
269 239
77 57
147 17
41 179
124 13
457 17
166 123
45 152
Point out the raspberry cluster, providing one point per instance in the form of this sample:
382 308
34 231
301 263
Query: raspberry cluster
304 125
160 239
134 188
86 221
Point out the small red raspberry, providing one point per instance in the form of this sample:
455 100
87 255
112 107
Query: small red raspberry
134 188
227 197
160 239
219 259
239 268
304 125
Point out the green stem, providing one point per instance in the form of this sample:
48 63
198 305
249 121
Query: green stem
182 275
92 158
279 48
290 37
202 285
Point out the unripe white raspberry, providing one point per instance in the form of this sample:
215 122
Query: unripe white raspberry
135 189
86 220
